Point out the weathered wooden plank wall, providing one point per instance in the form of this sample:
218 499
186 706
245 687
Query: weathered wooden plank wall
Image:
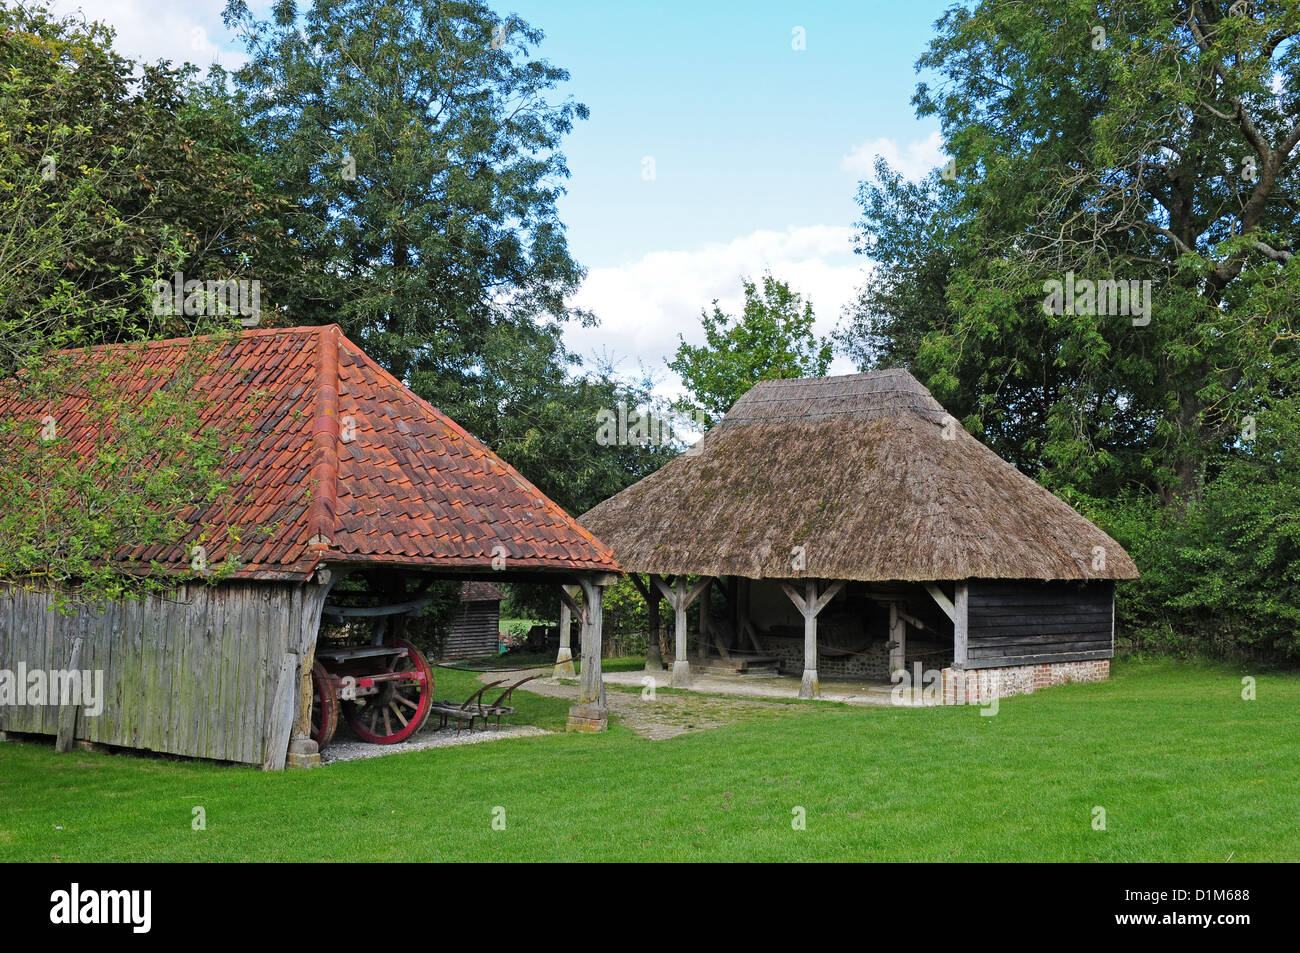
474 632
1029 623
194 672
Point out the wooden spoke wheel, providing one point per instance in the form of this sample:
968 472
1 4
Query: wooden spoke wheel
324 706
401 705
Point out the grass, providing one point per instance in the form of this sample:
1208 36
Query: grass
1184 768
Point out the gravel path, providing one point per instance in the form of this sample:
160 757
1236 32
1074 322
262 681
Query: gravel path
351 749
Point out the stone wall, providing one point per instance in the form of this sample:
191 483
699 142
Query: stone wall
981 686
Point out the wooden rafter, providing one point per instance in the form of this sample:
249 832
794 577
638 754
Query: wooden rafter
943 601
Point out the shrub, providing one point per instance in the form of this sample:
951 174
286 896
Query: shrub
1220 573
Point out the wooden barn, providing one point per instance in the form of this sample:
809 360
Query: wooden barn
849 527
352 495
476 630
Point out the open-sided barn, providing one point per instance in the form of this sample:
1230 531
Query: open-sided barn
343 472
856 529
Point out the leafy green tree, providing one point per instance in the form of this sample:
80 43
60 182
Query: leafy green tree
111 180
559 444
773 338
417 144
1147 141
108 181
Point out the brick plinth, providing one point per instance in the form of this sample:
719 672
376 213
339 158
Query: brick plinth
588 718
981 686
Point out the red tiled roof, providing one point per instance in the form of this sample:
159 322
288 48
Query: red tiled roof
342 464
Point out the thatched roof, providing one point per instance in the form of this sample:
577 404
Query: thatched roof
858 472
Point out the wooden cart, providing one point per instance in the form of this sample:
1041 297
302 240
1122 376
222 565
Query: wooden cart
384 691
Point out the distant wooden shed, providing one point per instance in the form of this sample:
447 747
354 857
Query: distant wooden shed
476 630
342 471
856 529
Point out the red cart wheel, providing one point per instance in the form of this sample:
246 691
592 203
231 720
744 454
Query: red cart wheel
400 707
324 706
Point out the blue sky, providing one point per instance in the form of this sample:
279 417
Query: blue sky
757 147
746 132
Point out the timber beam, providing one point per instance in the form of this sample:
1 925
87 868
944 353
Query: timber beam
591 711
654 658
956 610
810 605
680 598
569 610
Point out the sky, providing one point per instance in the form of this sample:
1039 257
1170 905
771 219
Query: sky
725 139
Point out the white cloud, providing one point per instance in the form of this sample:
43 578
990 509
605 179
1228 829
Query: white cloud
914 161
162 29
645 304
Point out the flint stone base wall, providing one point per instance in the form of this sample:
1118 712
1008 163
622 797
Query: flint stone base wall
871 665
981 686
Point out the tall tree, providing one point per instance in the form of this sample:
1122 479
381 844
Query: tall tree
108 181
418 142
772 338
419 145
112 178
1144 141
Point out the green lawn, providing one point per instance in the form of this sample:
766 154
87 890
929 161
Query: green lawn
1185 769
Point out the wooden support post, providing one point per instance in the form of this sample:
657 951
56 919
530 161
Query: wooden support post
810 606
568 609
960 605
654 655
302 751
897 640
591 713
810 686
956 610
654 658
706 627
302 721
564 657
67 729
680 599
734 591
681 665
743 591
592 686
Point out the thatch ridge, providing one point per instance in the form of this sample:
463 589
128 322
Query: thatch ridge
869 476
